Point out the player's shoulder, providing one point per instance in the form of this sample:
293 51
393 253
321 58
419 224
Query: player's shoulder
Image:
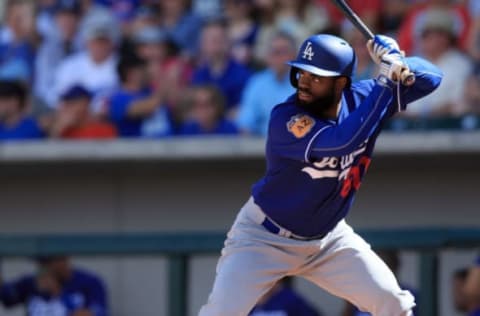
284 111
362 87
289 121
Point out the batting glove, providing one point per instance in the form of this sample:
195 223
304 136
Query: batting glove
393 68
382 45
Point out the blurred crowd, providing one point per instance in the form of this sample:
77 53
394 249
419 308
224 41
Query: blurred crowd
100 69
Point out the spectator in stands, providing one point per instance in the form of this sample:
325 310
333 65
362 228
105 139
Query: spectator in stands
471 101
242 29
145 17
207 9
96 13
438 38
169 74
167 69
300 18
472 288
461 302
368 10
44 23
57 289
268 87
205 113
124 10
283 300
74 119
411 30
16 41
391 15
366 67
180 22
15 123
474 37
217 67
264 11
131 104
55 49
93 69
392 260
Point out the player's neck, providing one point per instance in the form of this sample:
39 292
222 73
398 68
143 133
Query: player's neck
333 112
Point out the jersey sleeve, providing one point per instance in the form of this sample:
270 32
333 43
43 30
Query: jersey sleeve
303 137
427 78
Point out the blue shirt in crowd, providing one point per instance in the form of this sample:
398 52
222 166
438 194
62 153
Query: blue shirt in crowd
160 124
27 128
475 313
231 82
185 32
262 92
224 127
120 103
285 302
82 290
16 61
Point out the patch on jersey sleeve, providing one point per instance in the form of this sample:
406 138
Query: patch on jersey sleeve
300 125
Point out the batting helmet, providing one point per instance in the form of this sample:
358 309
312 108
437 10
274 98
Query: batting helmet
324 55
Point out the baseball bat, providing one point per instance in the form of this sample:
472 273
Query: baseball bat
408 78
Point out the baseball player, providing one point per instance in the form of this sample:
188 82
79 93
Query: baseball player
319 147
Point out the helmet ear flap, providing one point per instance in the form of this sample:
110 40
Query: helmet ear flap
294 77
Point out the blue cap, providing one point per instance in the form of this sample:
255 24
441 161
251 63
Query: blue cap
150 35
71 6
75 92
145 11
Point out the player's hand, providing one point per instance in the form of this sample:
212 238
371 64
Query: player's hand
382 45
393 67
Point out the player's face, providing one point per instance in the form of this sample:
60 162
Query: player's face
319 95
9 106
312 87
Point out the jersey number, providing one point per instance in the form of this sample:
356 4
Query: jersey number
354 176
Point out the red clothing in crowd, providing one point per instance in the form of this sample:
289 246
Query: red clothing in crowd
92 130
408 32
360 7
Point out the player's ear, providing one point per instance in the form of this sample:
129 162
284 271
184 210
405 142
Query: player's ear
341 83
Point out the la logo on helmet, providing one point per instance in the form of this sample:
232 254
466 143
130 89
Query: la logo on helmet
308 52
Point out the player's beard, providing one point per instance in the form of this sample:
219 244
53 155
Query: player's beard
320 105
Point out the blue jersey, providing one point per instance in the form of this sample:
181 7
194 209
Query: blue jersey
231 81
315 166
223 127
26 128
82 290
119 105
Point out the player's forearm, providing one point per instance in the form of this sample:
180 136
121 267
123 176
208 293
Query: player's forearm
428 78
144 107
344 138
